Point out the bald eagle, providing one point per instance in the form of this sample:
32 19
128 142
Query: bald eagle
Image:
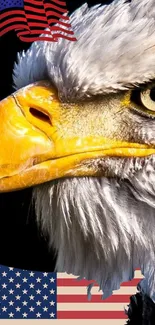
80 130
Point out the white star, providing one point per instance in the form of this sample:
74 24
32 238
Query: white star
31 274
45 309
38 280
4 274
45 286
4 309
31 285
18 273
52 292
52 303
4 285
11 268
11 303
11 280
31 308
24 315
18 309
52 315
45 297
38 292
24 292
45 274
38 303
18 285
18 297
38 315
11 315
31 297
25 280
11 291
52 280
4 297
24 303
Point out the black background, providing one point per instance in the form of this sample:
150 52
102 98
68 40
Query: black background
21 244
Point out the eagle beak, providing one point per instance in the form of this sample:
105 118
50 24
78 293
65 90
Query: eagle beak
39 140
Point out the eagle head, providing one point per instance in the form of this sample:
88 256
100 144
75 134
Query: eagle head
80 129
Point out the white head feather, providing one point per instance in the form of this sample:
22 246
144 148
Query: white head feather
115 50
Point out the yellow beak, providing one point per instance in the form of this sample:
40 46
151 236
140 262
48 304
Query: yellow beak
39 140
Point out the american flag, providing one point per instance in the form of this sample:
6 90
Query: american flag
41 295
30 18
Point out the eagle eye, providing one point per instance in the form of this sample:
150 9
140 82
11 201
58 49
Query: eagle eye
144 99
148 99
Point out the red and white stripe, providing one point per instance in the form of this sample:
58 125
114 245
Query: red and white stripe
72 301
36 16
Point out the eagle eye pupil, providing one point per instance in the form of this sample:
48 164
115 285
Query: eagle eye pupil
152 94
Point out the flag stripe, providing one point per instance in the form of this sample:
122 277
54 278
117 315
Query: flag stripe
44 25
87 306
38 32
80 298
33 38
39 11
91 315
12 13
60 275
30 16
53 13
35 17
75 283
12 20
61 3
34 2
95 290
50 5
54 38
12 27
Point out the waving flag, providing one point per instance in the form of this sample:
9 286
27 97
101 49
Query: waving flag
41 295
30 18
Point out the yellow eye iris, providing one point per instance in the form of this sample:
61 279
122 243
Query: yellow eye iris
147 100
143 100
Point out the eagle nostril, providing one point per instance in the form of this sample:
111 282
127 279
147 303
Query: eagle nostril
40 115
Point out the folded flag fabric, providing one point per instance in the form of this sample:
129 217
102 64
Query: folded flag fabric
41 295
30 18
